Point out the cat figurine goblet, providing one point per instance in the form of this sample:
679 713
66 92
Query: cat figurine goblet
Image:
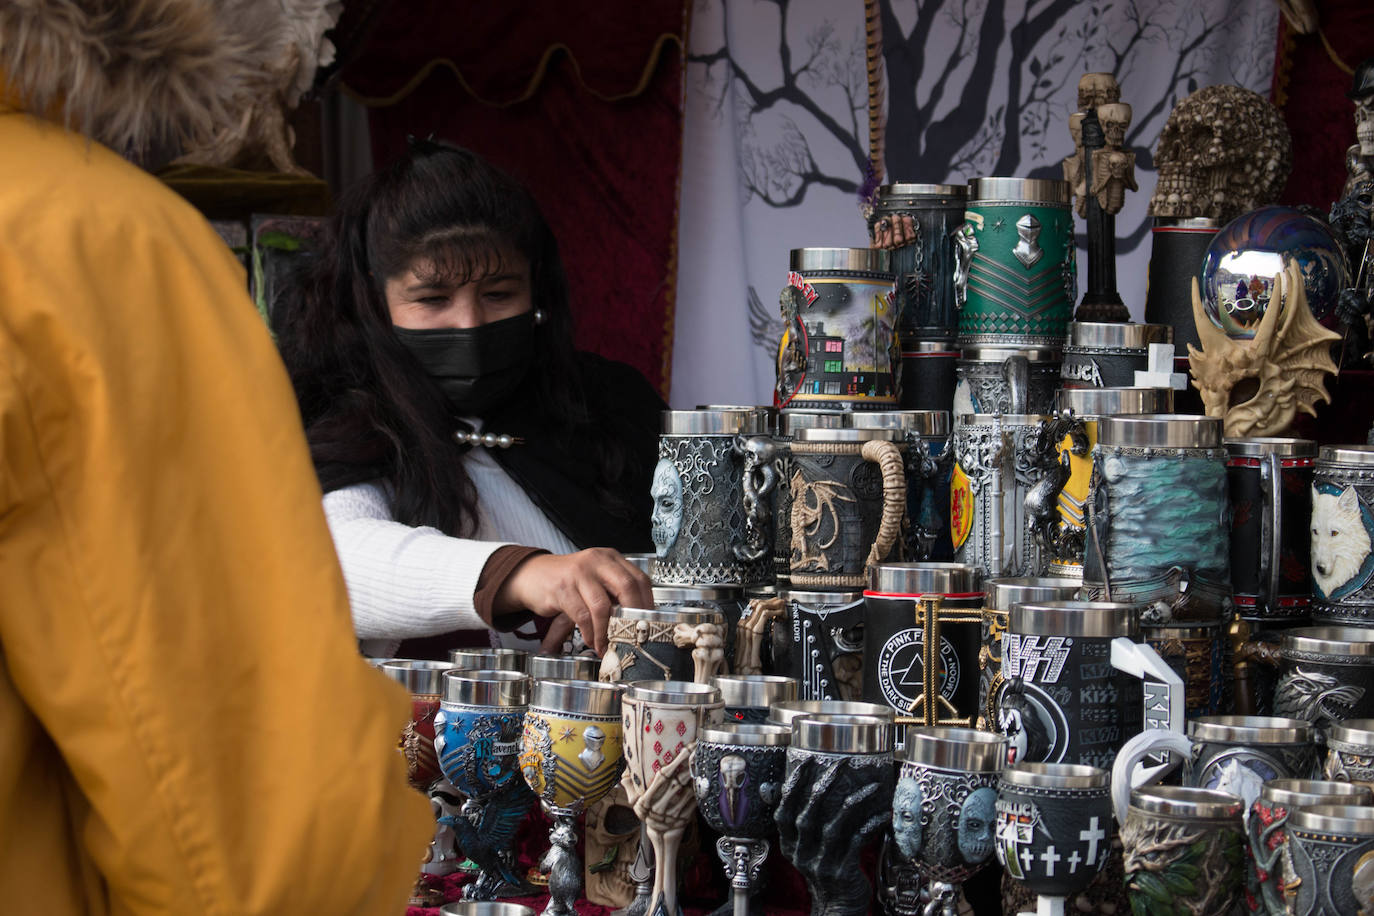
737 771
571 755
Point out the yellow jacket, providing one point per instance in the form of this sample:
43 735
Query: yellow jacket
185 723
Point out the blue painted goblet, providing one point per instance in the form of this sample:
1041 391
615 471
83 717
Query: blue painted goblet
477 737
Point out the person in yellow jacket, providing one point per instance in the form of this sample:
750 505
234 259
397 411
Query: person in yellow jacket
185 723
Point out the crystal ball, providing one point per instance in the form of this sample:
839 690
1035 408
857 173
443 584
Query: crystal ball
1239 270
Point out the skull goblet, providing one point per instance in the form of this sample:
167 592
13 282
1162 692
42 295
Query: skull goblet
477 737
571 757
944 807
662 720
737 771
423 679
1054 828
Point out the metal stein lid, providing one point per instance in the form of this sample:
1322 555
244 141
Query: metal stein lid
571 667
1293 793
1004 592
687 595
1249 730
487 688
746 734
1092 619
1099 335
849 260
1356 732
1056 776
422 677
688 615
963 749
730 421
999 355
888 193
1107 402
1342 820
815 434
785 712
678 693
1262 447
586 698
1168 430
1181 801
843 734
926 579
921 422
755 691
1347 454
1005 419
1352 641
489 659
792 420
1047 191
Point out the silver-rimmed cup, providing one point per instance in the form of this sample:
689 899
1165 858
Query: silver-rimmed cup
1350 751
480 908
565 667
785 713
748 697
490 660
1266 830
1183 846
1330 858
1326 675
644 645
1054 826
1239 754
1000 595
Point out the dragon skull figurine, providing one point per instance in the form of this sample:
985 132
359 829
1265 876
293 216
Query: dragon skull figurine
1257 386
1224 151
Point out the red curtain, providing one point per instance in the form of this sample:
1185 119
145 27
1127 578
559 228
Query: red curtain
582 104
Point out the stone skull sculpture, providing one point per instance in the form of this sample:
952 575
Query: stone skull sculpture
612 843
1096 89
1224 151
1115 118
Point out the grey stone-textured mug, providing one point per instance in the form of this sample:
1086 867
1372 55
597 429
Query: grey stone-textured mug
1350 751
1330 860
1267 833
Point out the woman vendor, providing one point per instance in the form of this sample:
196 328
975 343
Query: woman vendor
475 466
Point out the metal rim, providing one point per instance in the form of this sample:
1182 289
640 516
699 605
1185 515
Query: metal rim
860 260
925 579
1161 430
786 712
755 691
1260 446
676 693
1250 730
493 687
567 697
1182 801
1006 419
565 667
847 434
911 189
730 422
793 420
1056 776
421 676
820 599
489 659
1292 793
671 594
484 908
1003 592
746 734
963 749
1346 641
920 422
1346 820
1049 192
1352 731
684 614
1346 454
1000 355
829 734
1101 619
1130 336
1106 402
1190 223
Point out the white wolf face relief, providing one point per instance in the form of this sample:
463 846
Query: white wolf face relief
1340 542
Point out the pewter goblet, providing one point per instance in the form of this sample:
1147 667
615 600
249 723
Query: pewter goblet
477 737
944 807
571 756
737 771
1054 828
835 799
662 720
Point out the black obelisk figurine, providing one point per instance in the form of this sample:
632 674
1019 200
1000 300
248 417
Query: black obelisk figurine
1101 301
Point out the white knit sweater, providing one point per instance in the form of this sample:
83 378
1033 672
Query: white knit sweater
404 581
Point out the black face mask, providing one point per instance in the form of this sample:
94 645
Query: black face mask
476 368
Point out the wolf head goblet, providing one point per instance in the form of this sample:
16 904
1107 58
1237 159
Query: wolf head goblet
571 755
477 738
737 771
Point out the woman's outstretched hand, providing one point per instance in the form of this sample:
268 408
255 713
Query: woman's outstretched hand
578 589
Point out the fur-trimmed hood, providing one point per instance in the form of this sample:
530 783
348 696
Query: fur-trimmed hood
134 73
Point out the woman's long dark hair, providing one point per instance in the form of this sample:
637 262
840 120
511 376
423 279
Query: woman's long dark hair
369 409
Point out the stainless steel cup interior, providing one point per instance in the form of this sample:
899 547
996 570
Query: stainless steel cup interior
676 693
748 421
1096 403
755 691
1161 430
925 579
497 687
1056 776
567 667
842 734
958 749
680 596
1342 820
676 614
746 734
924 423
1356 643
1295 793
421 676
484 908
576 698
490 660
867 260
784 713
1089 619
1250 730
1355 732
1181 801
1003 592
1264 446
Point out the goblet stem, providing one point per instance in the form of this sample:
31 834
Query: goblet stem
1049 906
742 858
665 844
562 865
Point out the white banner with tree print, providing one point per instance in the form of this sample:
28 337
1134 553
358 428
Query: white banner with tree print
776 137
